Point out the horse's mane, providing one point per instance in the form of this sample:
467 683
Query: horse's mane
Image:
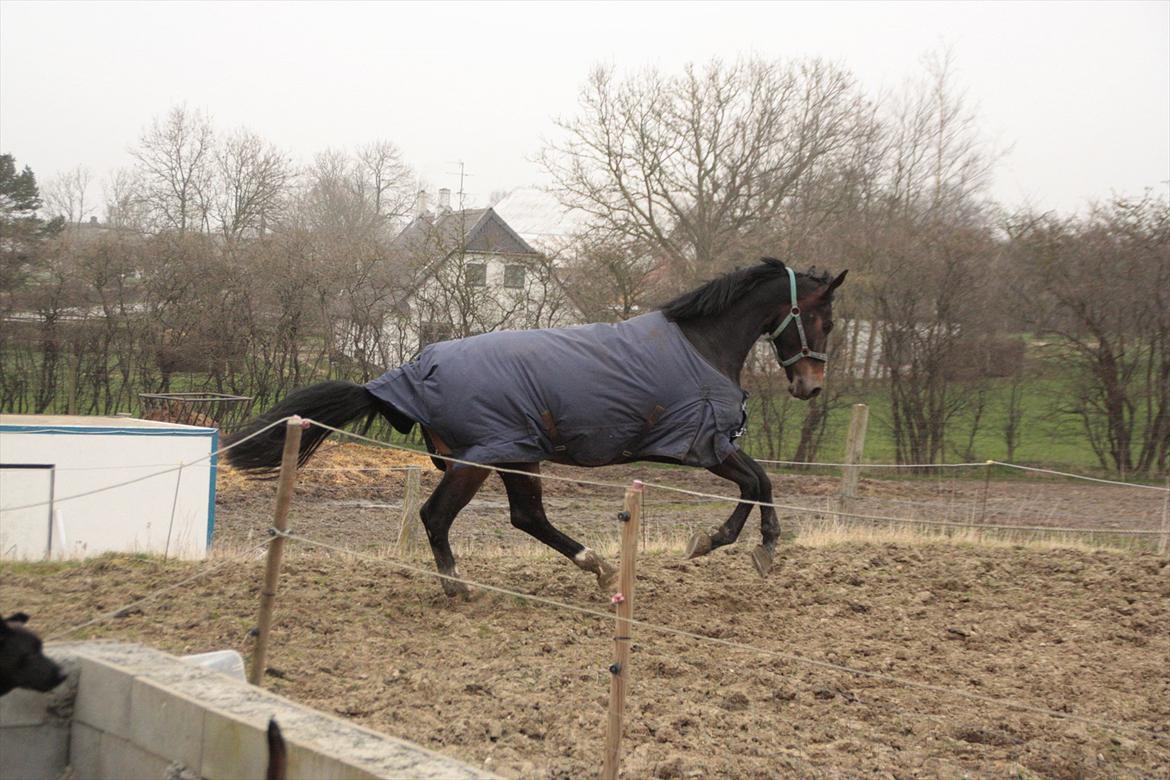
715 296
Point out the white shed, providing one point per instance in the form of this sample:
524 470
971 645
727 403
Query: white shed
62 491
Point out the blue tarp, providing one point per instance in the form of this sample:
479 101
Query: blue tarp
588 395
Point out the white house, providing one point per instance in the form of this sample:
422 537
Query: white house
469 272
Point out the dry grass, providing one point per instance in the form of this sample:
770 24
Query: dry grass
816 534
334 465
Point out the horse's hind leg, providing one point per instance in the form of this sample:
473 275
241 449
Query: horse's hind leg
457 487
525 498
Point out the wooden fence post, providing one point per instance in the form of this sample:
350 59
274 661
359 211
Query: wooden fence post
1164 539
854 446
284 494
986 488
410 516
624 599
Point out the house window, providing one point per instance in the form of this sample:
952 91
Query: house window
476 274
514 276
430 332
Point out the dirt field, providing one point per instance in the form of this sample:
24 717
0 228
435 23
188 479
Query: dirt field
523 689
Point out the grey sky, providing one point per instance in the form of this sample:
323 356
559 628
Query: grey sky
1079 92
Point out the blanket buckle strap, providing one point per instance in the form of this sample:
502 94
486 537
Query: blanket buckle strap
550 427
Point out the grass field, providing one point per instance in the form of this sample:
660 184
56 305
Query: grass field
1048 437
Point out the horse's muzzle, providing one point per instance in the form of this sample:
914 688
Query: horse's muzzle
804 390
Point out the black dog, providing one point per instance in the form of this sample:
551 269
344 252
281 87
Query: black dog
22 664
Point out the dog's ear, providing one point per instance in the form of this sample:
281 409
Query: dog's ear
17 617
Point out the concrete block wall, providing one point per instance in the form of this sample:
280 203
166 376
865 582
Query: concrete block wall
131 713
35 728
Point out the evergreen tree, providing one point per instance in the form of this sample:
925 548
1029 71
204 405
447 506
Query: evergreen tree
21 230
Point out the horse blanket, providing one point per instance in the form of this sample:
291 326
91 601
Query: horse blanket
588 395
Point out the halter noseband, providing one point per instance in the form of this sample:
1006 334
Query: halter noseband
794 316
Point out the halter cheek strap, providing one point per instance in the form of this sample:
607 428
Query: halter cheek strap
794 316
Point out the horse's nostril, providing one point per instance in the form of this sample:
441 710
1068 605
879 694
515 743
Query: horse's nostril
815 392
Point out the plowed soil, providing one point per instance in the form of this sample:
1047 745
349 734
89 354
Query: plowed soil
523 688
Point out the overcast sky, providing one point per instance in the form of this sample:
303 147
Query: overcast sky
1080 93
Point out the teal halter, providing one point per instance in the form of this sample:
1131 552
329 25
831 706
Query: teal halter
794 316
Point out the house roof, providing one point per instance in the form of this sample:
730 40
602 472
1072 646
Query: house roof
428 241
471 230
540 218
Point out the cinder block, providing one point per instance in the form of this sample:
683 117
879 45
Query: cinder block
22 707
166 723
304 764
232 748
85 750
103 697
34 752
124 760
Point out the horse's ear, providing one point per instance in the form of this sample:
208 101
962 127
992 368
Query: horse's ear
833 285
16 617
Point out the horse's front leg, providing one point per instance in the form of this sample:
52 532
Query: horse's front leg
754 485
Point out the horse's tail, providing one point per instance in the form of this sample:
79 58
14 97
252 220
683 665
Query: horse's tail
277 753
333 403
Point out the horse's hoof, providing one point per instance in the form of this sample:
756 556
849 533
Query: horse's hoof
607 580
456 588
700 544
762 558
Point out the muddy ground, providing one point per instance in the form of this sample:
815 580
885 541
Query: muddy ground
363 509
523 688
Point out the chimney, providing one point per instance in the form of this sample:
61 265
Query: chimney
444 200
422 203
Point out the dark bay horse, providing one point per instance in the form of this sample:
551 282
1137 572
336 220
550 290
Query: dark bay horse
663 386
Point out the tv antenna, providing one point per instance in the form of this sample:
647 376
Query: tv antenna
463 174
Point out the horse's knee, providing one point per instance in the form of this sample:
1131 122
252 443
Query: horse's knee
523 521
428 517
751 489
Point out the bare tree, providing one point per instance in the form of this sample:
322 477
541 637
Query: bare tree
611 281
1101 287
369 194
67 195
386 181
126 205
927 247
252 182
689 164
175 164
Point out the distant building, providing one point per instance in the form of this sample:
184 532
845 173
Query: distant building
541 220
470 272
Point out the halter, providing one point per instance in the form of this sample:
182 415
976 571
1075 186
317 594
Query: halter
794 316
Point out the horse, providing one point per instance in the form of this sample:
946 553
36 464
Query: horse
663 386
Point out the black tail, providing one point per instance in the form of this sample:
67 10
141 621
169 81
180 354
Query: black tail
277 754
334 403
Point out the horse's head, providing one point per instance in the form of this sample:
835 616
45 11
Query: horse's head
800 331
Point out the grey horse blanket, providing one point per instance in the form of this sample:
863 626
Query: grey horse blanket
588 395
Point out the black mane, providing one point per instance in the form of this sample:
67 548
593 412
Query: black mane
715 296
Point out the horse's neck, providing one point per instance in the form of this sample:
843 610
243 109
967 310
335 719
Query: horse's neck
726 341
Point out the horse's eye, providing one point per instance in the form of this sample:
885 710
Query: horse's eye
828 328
